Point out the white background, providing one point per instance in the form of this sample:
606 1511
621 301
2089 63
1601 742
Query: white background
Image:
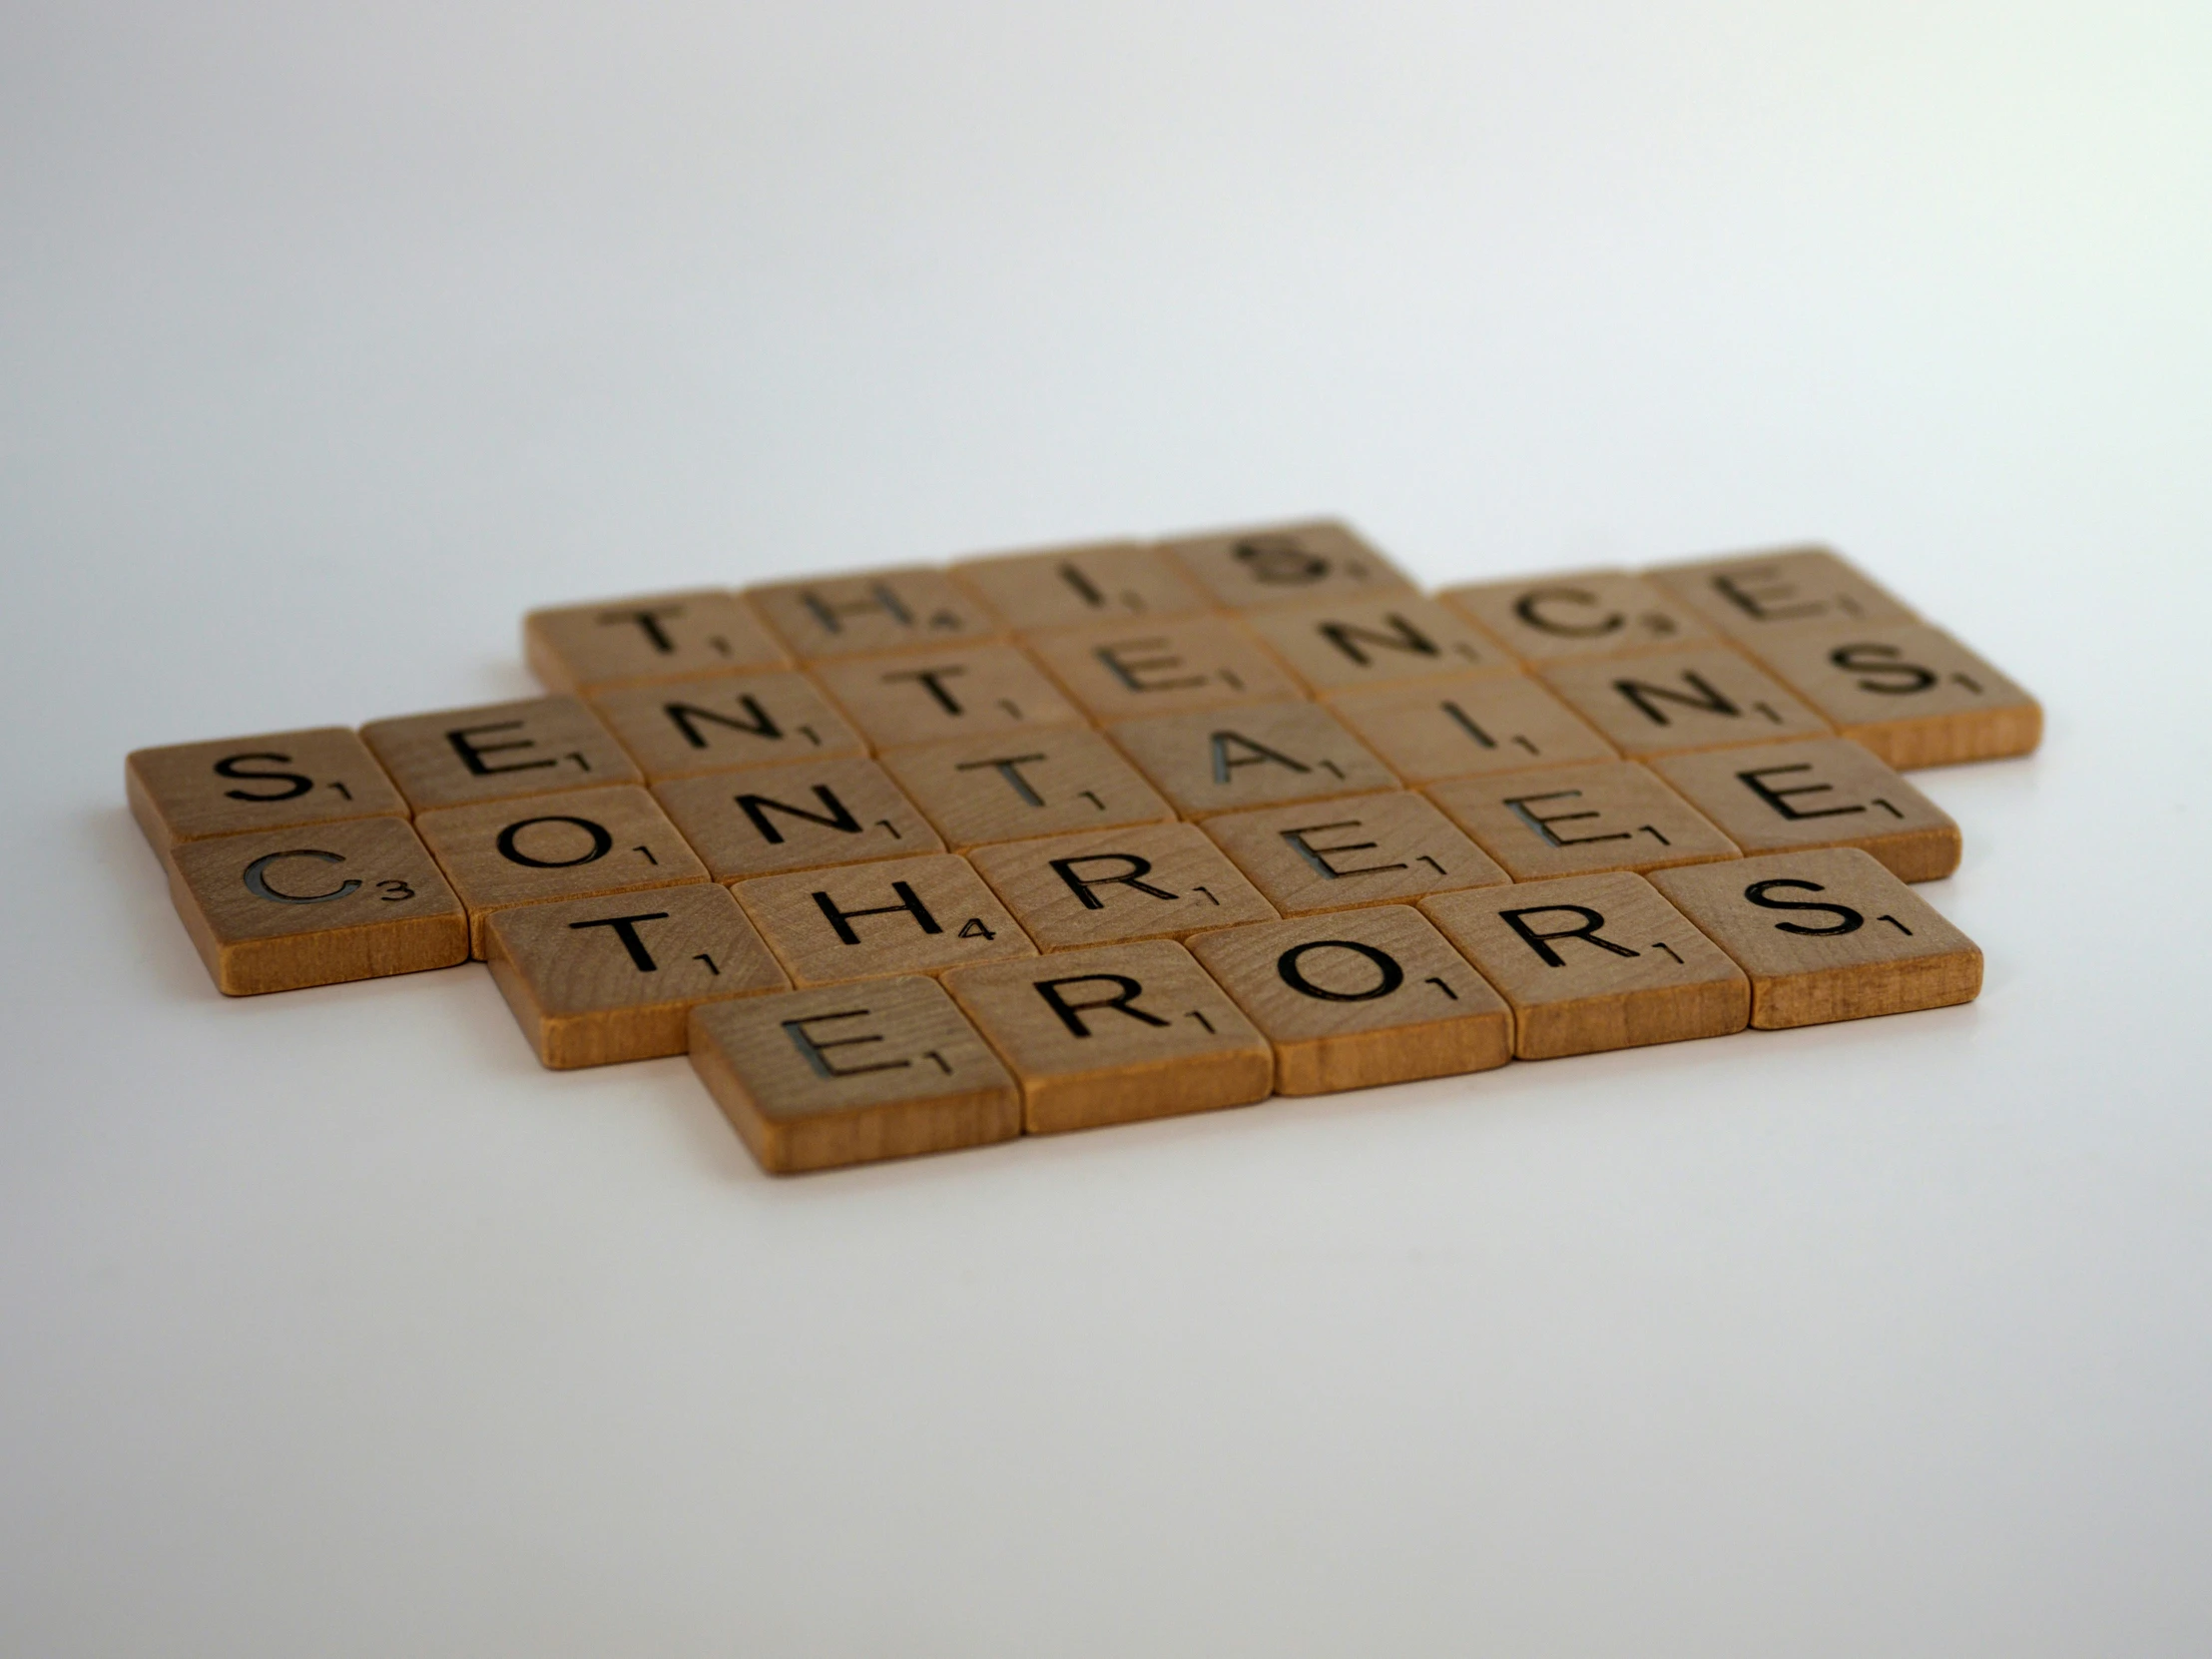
333 337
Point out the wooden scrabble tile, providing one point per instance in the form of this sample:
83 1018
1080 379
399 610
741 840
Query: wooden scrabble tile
873 921
1747 594
1911 693
1258 755
912 608
803 817
851 1074
1592 963
1115 1034
498 750
1337 646
596 980
1816 792
1020 786
1362 850
623 642
188 792
1580 821
316 904
928 696
1066 587
1674 702
1827 935
1111 886
1470 725
1124 670
1281 564
727 723
582 844
1583 613
1359 997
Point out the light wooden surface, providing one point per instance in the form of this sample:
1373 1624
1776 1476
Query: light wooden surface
1281 564
1050 782
1359 998
1342 855
1111 886
1343 645
1067 587
1818 792
1115 1034
1579 613
801 816
189 790
852 1074
725 722
928 696
576 845
1827 935
860 613
1677 702
1258 755
877 920
498 752
1908 692
1470 725
321 905
1121 670
1593 963
1580 821
670 636
592 981
1763 592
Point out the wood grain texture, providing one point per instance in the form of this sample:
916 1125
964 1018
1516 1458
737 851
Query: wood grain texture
853 1074
1678 702
866 613
1579 613
726 723
1114 887
799 817
1827 935
878 920
1470 725
1342 855
1910 693
188 792
321 905
1750 594
1359 998
1336 646
1069 587
928 695
593 982
1264 565
498 752
581 649
1258 755
1123 671
1594 963
1022 786
1580 821
1115 1034
1819 792
582 844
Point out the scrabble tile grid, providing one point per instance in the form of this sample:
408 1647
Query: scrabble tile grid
1005 653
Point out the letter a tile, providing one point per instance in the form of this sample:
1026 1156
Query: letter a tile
1270 752
851 1074
1359 998
319 904
1115 1034
1827 935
